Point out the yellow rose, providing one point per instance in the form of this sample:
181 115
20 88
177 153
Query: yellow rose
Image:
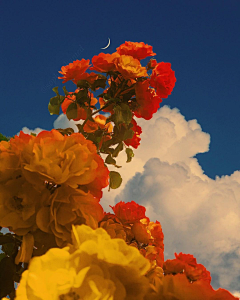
94 267
65 207
130 67
19 202
71 160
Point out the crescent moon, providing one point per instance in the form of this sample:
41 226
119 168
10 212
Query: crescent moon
107 44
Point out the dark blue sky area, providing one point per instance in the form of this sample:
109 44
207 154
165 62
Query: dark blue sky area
200 38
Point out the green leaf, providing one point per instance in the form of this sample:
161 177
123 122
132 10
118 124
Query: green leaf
7 270
71 112
9 248
3 138
55 89
54 101
128 134
99 83
122 114
83 84
117 149
115 180
4 239
2 255
54 105
109 160
54 109
82 96
61 99
65 91
130 154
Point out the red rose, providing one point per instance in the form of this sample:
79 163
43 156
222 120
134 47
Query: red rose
163 79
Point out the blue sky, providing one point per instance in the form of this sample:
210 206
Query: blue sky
199 38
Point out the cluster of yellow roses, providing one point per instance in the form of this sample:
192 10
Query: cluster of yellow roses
48 183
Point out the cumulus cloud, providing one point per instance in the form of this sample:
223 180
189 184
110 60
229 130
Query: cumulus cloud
29 131
199 215
63 122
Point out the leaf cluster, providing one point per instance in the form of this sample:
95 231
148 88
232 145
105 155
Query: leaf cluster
9 271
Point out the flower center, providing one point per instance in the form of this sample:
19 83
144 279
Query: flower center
69 296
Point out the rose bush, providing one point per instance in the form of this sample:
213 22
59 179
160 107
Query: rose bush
51 185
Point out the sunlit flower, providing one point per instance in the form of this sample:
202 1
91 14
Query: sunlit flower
70 160
129 212
136 50
19 203
74 69
104 62
95 267
163 79
187 263
178 287
113 226
89 77
151 64
99 122
66 207
9 162
129 67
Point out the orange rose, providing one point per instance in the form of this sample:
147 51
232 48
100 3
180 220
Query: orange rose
163 79
65 208
74 69
136 50
188 264
70 160
178 287
104 62
129 67
90 78
130 212
99 121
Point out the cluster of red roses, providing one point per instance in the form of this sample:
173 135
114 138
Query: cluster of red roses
132 92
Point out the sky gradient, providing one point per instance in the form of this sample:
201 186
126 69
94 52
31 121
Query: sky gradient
201 41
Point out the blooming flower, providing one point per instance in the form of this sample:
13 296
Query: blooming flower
163 79
70 160
178 287
130 212
136 50
95 267
187 263
19 203
104 62
99 121
68 206
147 99
74 70
129 67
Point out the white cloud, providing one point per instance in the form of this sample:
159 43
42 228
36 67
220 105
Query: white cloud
236 294
29 131
63 122
199 215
